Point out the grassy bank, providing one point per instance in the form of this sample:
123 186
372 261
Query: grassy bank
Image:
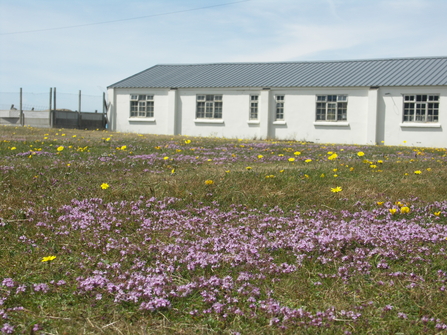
162 234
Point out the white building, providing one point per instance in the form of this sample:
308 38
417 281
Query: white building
383 101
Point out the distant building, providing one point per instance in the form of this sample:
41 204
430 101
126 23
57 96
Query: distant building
381 101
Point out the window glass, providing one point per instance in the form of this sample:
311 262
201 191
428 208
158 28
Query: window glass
421 108
209 106
332 108
141 105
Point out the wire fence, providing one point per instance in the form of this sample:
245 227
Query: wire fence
49 109
41 101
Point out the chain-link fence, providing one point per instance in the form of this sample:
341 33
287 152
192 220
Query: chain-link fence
52 109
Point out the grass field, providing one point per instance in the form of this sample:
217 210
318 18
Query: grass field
111 233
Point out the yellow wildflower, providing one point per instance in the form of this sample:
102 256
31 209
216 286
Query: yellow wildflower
336 189
291 159
393 210
60 148
48 258
105 186
405 210
209 182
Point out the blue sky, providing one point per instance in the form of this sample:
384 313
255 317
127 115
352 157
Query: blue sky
92 57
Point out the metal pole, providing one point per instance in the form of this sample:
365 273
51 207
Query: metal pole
21 109
104 110
54 107
50 114
54 98
79 110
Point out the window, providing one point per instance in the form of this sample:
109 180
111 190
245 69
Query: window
332 107
141 105
254 107
421 108
279 112
209 107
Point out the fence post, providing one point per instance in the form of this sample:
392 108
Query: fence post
79 111
21 109
50 114
54 98
104 110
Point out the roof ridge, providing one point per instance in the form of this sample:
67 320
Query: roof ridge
304 62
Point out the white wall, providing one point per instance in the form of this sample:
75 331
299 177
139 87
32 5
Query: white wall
119 113
235 117
300 110
392 130
374 116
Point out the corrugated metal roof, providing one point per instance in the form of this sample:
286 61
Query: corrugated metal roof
427 71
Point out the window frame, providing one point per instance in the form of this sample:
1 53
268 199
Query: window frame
141 106
209 106
420 108
254 107
331 108
279 107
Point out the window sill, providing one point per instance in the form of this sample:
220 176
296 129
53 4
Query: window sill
420 125
331 124
141 119
279 122
253 122
209 121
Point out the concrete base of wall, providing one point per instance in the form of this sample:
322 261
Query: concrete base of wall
13 121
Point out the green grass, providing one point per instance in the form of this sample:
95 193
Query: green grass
34 185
